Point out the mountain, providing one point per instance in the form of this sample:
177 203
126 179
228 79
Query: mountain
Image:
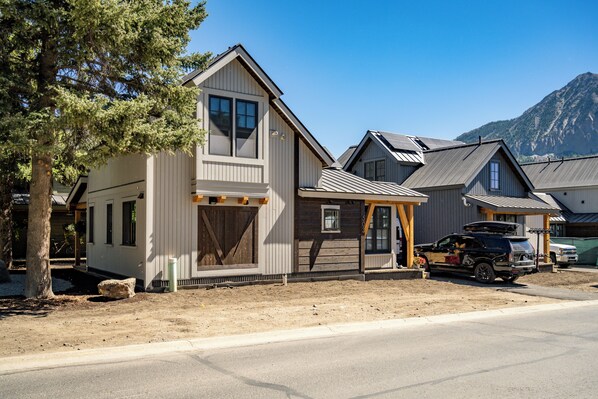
564 123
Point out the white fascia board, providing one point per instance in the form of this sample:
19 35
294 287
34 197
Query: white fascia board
80 180
365 197
248 63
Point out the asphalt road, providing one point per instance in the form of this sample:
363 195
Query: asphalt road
539 355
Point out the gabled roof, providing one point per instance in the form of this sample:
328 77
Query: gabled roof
563 173
239 53
458 165
346 155
23 199
336 183
76 192
405 149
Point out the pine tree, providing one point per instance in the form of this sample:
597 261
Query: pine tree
82 81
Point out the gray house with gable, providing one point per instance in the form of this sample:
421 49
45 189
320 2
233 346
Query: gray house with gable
464 182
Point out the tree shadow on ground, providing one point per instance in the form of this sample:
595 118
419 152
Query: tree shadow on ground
20 306
83 284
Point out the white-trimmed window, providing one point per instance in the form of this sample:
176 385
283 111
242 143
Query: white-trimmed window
331 218
494 175
223 132
129 226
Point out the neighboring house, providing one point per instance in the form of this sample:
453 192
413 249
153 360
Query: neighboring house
464 182
62 241
572 184
259 200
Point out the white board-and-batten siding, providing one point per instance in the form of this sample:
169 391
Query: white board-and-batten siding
175 215
121 179
234 82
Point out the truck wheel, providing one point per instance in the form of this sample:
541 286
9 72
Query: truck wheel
484 273
553 258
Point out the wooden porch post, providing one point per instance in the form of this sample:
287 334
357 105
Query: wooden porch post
410 239
77 237
489 215
546 239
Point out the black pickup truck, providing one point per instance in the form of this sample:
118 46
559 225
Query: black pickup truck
485 250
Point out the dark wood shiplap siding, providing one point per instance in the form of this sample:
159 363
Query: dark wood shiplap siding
510 183
443 214
317 251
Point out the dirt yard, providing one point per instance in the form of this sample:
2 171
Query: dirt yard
573 280
80 320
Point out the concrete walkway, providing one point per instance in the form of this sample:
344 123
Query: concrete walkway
11 365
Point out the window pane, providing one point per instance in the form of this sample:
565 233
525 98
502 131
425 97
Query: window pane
246 131
91 229
220 134
129 223
380 170
369 170
108 223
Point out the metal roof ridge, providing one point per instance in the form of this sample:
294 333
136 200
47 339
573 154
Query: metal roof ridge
556 160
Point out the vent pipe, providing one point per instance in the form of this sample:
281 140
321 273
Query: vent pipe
479 140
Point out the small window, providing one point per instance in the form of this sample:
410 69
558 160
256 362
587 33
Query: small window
331 218
108 223
246 129
90 232
221 126
494 175
375 170
129 223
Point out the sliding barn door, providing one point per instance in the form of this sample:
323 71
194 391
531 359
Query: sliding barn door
227 237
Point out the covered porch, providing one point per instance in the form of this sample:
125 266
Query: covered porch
77 202
385 206
493 207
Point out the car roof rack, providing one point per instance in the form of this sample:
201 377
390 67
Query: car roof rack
491 227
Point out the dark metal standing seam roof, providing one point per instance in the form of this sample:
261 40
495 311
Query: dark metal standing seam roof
512 204
346 155
341 182
23 199
568 173
451 166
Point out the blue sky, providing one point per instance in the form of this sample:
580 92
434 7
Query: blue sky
427 68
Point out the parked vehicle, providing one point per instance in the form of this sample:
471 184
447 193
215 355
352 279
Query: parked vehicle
485 250
563 254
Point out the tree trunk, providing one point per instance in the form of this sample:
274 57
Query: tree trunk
6 186
38 282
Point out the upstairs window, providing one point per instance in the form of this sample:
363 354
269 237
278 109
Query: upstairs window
375 170
129 223
246 132
331 219
494 175
221 126
223 132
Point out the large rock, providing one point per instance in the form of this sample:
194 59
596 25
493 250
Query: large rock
117 289
4 276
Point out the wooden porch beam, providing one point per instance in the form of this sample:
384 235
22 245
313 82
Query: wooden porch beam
547 239
368 218
264 201
197 198
367 202
243 200
77 239
220 199
410 243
